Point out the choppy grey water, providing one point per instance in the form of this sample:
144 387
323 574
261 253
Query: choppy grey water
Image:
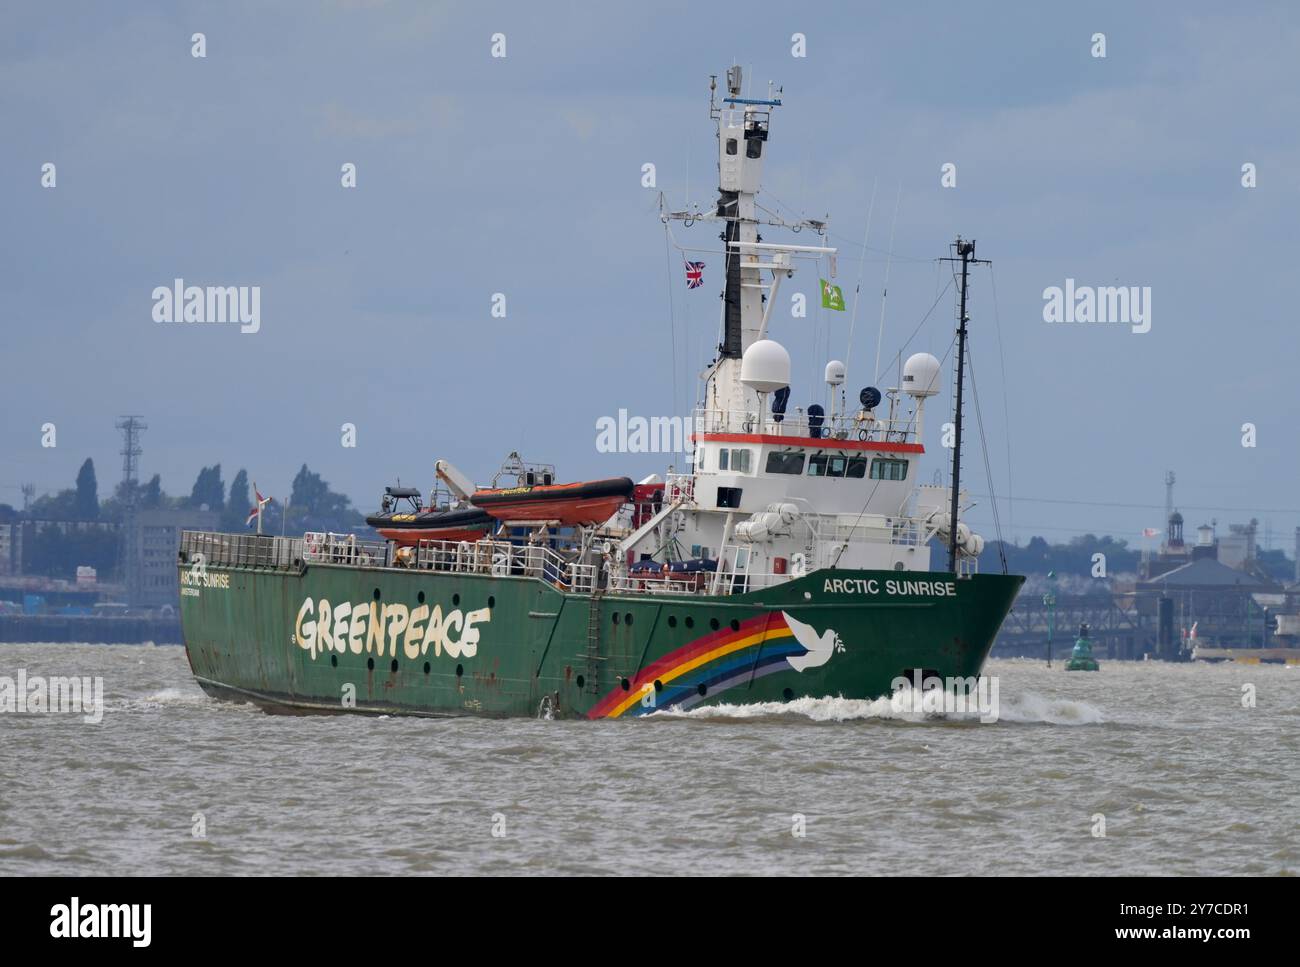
1188 780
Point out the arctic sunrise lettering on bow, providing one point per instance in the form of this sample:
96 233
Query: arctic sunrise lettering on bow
939 589
375 628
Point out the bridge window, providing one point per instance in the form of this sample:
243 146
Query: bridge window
785 461
737 460
888 469
827 465
857 468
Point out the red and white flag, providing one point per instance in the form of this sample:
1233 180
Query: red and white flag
257 508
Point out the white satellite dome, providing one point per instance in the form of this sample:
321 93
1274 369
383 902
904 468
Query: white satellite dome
835 372
765 367
921 375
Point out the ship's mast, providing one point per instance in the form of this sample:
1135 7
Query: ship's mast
743 126
966 255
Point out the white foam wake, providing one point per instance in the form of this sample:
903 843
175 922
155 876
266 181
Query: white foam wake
1026 708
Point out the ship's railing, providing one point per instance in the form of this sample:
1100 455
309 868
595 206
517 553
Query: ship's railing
842 426
679 486
655 584
241 550
319 547
702 582
503 559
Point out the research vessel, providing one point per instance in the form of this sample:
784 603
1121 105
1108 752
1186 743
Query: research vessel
790 558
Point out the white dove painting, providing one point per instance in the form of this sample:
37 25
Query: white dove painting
820 647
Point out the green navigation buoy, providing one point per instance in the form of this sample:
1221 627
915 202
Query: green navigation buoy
1081 659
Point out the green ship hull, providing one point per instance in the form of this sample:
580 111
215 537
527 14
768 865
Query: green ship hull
343 638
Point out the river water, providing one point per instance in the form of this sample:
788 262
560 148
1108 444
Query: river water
1187 779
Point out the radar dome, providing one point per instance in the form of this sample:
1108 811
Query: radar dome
835 372
921 375
765 367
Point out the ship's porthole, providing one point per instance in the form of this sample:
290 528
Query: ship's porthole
420 597
615 617
807 595
426 668
334 661
702 688
659 686
625 683
492 601
393 666
580 681
672 621
627 618
376 594
690 622
370 663
735 625
713 623
898 565
460 670
455 600
788 694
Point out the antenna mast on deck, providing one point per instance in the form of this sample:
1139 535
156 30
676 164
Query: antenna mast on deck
966 255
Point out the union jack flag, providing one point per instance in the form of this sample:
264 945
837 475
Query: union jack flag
694 275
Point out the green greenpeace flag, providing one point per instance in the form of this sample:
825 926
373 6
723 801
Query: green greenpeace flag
832 297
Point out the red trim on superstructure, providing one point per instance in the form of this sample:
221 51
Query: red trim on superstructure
807 441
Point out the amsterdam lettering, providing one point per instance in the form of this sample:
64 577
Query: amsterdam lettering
379 629
938 589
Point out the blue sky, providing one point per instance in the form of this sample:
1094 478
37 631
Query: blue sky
522 175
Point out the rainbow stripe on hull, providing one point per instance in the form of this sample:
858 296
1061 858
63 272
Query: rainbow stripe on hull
704 667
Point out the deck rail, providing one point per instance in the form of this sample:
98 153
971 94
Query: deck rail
563 570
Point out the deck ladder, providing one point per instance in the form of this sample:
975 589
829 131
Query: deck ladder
593 656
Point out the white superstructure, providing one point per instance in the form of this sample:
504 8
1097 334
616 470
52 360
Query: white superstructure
773 494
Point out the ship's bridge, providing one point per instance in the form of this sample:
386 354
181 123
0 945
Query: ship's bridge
836 464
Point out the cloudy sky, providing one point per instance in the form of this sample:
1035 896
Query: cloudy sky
522 175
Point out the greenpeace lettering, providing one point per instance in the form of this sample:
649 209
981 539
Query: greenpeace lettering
382 629
891 587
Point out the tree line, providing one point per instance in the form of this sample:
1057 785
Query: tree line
56 546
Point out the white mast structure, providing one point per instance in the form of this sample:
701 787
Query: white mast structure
772 496
748 299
